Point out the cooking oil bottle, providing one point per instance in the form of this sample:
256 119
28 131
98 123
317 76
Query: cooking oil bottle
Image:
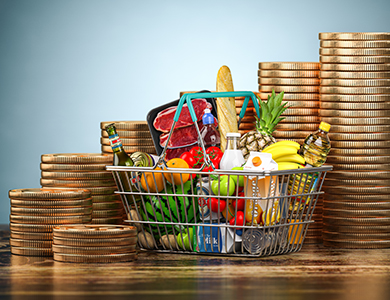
316 146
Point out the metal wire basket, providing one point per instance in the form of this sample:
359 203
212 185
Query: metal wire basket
220 212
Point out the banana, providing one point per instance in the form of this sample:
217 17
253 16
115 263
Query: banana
288 166
282 144
282 151
291 158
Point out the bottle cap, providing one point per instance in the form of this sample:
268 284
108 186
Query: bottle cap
324 126
233 134
207 118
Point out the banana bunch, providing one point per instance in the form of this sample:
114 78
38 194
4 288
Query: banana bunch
285 153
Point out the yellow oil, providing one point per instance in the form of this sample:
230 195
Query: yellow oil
315 148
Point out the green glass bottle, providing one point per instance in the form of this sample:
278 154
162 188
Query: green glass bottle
120 156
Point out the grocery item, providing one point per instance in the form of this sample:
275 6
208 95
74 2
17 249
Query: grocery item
270 112
120 156
177 178
226 107
209 133
232 157
316 146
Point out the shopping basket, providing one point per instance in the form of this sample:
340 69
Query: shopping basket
181 210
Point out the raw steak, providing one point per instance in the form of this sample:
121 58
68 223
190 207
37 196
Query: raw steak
172 153
164 119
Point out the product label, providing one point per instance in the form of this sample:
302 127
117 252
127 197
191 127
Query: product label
115 141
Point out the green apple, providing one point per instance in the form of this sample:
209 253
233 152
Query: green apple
225 182
240 178
186 239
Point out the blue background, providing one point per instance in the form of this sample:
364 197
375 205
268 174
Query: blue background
66 66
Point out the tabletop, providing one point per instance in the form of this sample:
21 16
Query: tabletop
315 272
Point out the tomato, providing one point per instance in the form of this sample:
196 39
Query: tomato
215 155
197 154
240 219
240 202
214 205
191 161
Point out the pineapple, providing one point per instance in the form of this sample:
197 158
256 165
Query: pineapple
270 111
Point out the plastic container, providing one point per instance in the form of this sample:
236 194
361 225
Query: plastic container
316 146
209 132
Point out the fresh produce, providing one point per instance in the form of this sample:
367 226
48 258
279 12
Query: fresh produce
238 220
240 178
225 186
285 154
195 157
217 205
240 202
134 216
270 111
146 240
226 107
185 238
177 178
153 181
273 214
169 241
282 144
229 211
288 166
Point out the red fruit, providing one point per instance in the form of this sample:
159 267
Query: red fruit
240 204
240 219
214 205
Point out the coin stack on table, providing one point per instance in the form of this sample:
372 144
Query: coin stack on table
87 171
355 100
94 243
300 83
135 136
34 213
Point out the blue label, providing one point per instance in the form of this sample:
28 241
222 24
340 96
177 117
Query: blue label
209 239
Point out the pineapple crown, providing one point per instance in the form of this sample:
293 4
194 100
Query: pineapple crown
270 112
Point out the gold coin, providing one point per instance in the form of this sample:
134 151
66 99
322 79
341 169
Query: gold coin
355 59
54 212
355 105
354 51
293 96
73 167
357 121
354 90
107 205
361 167
348 244
50 220
357 197
107 213
289 65
31 227
301 112
356 189
354 36
139 134
248 119
355 82
92 242
108 258
127 125
240 103
372 213
288 74
130 142
301 119
359 175
30 243
289 88
299 141
355 67
353 75
361 144
105 198
361 129
353 113
51 203
313 232
357 228
131 149
291 134
76 183
355 236
357 205
27 251
297 126
355 221
288 81
304 104
355 44
354 98
76 158
358 159
93 250
77 175
359 136
90 231
102 191
49 194
18 235
111 220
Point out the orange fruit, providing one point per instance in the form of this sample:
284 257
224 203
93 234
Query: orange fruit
148 180
177 177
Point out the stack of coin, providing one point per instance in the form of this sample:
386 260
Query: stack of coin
300 83
355 100
85 170
135 136
94 243
34 213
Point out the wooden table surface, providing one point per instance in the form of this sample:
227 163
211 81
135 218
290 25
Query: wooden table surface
315 272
